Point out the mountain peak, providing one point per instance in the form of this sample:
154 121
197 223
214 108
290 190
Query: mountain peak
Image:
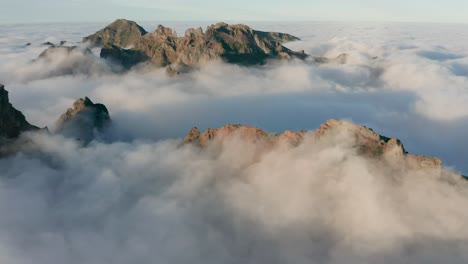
121 32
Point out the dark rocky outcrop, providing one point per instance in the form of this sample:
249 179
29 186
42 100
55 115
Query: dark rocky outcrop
364 140
48 43
84 121
122 33
125 57
12 121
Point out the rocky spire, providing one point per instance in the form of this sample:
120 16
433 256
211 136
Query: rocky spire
84 120
12 121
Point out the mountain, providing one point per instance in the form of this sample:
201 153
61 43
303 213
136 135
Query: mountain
364 140
232 43
121 32
69 60
84 121
50 51
126 43
12 121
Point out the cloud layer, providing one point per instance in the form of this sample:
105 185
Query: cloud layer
141 197
233 202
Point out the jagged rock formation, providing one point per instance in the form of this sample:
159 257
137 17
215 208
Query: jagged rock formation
12 121
232 43
122 33
364 140
249 133
84 121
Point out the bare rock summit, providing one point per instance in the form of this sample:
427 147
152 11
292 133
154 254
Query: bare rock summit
84 121
123 33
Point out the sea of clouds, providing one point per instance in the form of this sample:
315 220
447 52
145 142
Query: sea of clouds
141 197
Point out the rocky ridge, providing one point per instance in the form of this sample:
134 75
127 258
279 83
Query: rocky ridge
364 140
126 43
232 43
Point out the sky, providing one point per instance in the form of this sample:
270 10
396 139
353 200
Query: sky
30 11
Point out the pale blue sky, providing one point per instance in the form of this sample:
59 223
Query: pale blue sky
14 11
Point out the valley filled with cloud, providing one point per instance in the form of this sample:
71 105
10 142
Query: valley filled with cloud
137 195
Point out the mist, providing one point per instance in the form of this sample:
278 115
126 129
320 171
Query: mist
140 196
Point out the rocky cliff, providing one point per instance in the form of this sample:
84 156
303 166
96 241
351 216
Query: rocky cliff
12 121
84 121
364 140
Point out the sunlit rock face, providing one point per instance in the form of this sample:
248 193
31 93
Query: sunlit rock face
12 121
84 121
364 140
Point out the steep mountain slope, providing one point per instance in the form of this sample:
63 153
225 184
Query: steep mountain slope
12 121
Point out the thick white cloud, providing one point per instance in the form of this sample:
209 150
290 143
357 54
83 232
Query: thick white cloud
166 203
144 198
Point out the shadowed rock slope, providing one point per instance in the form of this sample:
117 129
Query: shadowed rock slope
84 121
365 141
12 121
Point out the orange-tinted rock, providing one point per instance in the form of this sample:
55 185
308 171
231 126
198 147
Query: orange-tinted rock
247 133
364 140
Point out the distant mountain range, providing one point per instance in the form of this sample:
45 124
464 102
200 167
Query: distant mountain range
128 44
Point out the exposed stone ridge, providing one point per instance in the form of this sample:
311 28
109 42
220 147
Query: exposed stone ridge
84 120
12 121
365 141
232 43
252 134
121 32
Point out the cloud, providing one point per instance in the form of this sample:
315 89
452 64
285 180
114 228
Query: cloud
143 201
142 197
